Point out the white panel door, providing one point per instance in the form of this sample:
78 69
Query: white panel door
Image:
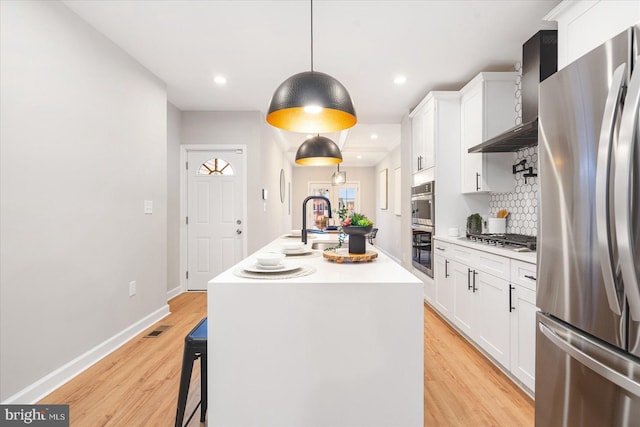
215 212
492 316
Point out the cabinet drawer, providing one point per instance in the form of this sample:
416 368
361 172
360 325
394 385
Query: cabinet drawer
463 254
496 265
442 248
523 274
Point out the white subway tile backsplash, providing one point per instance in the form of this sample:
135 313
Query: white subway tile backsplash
522 204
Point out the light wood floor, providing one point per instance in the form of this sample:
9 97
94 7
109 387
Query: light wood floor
137 385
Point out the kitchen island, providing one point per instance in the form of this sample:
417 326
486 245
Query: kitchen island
342 346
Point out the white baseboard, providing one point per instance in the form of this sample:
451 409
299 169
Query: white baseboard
47 384
174 292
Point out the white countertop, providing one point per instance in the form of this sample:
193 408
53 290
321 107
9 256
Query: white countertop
381 270
505 252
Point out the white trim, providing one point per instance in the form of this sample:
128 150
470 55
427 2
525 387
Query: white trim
50 382
184 148
174 292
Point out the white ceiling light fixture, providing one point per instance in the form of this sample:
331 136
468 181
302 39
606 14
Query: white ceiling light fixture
400 80
374 136
220 80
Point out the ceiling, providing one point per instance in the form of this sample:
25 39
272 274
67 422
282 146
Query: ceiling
255 45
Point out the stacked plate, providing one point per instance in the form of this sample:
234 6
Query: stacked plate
269 263
280 268
295 248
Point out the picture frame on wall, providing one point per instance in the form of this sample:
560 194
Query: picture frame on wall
397 193
383 189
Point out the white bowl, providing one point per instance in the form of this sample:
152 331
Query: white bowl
296 232
292 246
269 259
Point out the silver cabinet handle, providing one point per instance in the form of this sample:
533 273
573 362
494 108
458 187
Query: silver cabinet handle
590 362
627 138
439 248
603 178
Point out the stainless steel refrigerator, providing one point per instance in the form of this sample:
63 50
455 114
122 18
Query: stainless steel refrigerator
588 327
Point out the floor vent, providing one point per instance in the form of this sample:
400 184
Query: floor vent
157 331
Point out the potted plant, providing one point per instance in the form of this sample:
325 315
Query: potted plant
357 226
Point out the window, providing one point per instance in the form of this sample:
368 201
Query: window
215 167
347 195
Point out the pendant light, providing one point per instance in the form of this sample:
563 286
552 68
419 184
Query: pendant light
318 151
311 102
338 178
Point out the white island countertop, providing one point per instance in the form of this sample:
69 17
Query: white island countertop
342 346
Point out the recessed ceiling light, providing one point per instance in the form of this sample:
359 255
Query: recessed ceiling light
220 80
374 136
400 80
358 156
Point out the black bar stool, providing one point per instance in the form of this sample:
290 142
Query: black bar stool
195 347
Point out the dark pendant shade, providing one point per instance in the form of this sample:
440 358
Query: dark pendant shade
318 151
311 88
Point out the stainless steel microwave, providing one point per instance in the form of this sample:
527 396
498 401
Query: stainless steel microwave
422 205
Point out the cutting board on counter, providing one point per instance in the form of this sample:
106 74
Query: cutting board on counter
341 255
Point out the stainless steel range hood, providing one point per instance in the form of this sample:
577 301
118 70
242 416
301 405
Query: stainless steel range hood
539 61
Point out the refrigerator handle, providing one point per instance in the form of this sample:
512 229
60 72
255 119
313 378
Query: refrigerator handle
590 362
603 177
627 139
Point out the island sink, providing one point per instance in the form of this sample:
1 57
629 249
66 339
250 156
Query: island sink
325 244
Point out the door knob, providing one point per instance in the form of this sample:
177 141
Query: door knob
238 231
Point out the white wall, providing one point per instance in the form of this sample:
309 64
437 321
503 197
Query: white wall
264 161
389 237
83 130
174 124
302 175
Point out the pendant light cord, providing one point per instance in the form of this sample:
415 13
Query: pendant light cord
311 35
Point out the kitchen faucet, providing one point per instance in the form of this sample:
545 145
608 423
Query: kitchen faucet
304 214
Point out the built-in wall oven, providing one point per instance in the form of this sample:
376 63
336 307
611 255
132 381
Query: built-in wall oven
422 223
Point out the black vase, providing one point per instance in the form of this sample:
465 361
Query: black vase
357 239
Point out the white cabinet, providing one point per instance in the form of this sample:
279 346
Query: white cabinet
481 310
444 291
491 299
523 334
422 129
464 312
523 321
585 25
430 287
488 107
492 316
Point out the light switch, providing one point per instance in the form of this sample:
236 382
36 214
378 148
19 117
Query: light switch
148 207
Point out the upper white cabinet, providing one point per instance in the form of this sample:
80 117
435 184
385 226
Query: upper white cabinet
585 25
488 107
422 132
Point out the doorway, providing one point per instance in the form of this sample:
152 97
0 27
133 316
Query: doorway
215 213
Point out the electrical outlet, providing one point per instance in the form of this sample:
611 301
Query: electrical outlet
132 288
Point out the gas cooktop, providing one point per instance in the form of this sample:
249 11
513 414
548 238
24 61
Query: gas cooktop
520 240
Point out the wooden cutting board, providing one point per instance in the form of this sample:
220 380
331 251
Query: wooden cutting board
341 255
